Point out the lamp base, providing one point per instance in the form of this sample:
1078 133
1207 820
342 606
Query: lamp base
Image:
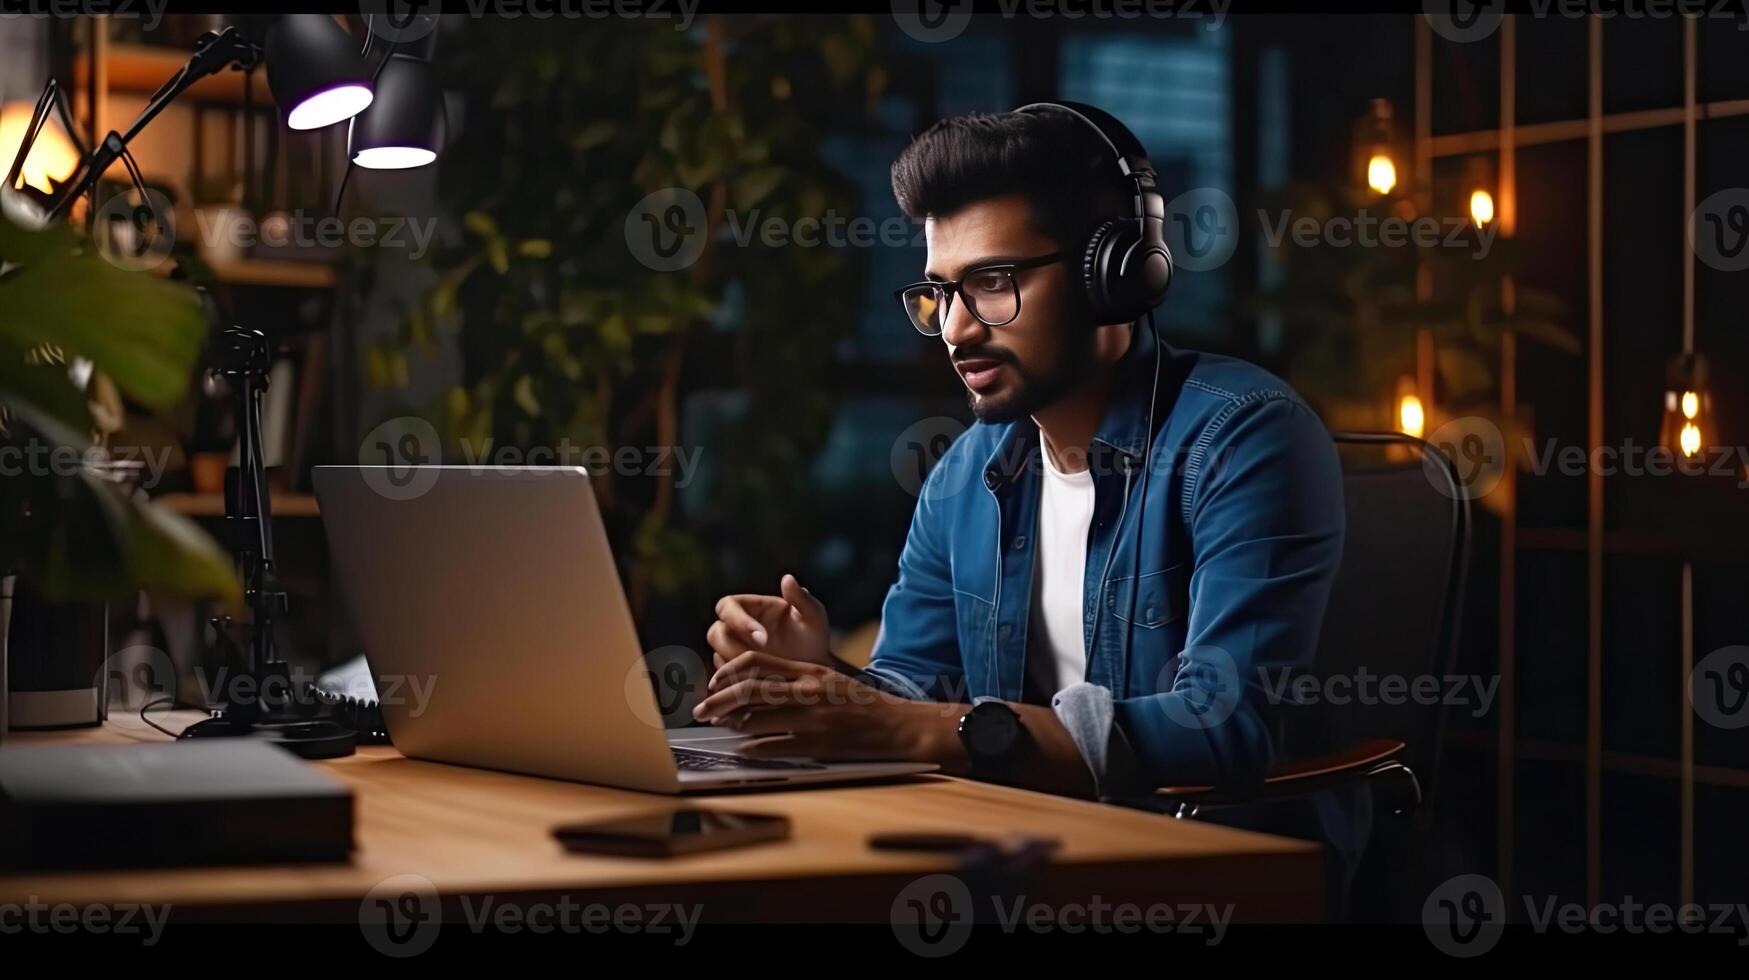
304 739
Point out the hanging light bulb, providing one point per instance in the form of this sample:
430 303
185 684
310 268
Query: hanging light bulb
1376 149
1687 406
1381 173
1478 178
1481 207
1411 413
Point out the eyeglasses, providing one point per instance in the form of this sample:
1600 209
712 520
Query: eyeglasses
990 292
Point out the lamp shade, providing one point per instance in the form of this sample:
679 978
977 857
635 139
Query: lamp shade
52 158
399 130
316 74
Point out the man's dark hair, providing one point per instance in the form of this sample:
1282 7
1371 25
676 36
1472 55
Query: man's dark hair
1066 173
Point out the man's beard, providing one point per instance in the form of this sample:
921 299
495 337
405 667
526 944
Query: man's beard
1033 392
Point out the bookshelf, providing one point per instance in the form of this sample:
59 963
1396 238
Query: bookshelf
138 69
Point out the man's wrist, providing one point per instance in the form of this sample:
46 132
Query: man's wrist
938 739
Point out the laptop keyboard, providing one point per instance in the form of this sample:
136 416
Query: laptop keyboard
694 760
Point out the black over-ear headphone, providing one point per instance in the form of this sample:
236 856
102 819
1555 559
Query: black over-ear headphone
1125 266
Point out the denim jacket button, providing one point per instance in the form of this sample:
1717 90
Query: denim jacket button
1019 542
991 478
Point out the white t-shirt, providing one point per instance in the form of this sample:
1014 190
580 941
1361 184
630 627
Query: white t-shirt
1065 512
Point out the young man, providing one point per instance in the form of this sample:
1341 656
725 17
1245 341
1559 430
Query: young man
1064 619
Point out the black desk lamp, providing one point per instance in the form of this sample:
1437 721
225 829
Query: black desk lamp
317 79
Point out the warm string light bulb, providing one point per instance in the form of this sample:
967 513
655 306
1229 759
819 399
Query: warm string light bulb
1481 207
1687 407
1411 416
1381 173
1689 439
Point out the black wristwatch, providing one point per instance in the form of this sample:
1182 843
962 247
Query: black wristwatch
993 735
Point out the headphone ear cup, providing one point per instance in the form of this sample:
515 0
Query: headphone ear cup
1099 272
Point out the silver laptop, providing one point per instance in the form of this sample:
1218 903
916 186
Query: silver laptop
494 621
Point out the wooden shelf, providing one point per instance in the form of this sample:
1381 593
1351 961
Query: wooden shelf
140 69
213 504
268 272
274 272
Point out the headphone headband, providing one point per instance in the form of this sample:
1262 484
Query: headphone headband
1125 265
1132 159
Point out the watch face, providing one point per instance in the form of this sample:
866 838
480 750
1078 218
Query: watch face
991 730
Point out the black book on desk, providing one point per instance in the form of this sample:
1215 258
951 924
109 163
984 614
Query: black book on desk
224 801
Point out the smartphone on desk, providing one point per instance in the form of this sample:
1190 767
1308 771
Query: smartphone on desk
670 833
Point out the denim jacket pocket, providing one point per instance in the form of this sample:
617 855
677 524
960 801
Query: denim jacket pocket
1163 597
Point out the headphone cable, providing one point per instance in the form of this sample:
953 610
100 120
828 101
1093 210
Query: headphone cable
1142 513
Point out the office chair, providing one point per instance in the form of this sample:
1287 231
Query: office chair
1394 610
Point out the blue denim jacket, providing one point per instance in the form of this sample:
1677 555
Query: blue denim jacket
1240 531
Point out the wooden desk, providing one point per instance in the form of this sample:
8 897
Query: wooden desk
474 833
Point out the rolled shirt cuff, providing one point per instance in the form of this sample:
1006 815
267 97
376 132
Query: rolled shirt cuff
1086 711
891 682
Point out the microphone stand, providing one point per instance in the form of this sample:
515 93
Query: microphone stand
274 709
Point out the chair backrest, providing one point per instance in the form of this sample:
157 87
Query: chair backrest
1396 604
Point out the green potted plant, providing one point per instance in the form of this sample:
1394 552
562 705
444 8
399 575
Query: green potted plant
79 334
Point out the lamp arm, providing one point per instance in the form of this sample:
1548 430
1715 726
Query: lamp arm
213 53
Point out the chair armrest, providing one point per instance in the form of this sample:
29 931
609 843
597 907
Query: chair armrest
1297 777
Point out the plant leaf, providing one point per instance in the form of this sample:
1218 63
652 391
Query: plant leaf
145 333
